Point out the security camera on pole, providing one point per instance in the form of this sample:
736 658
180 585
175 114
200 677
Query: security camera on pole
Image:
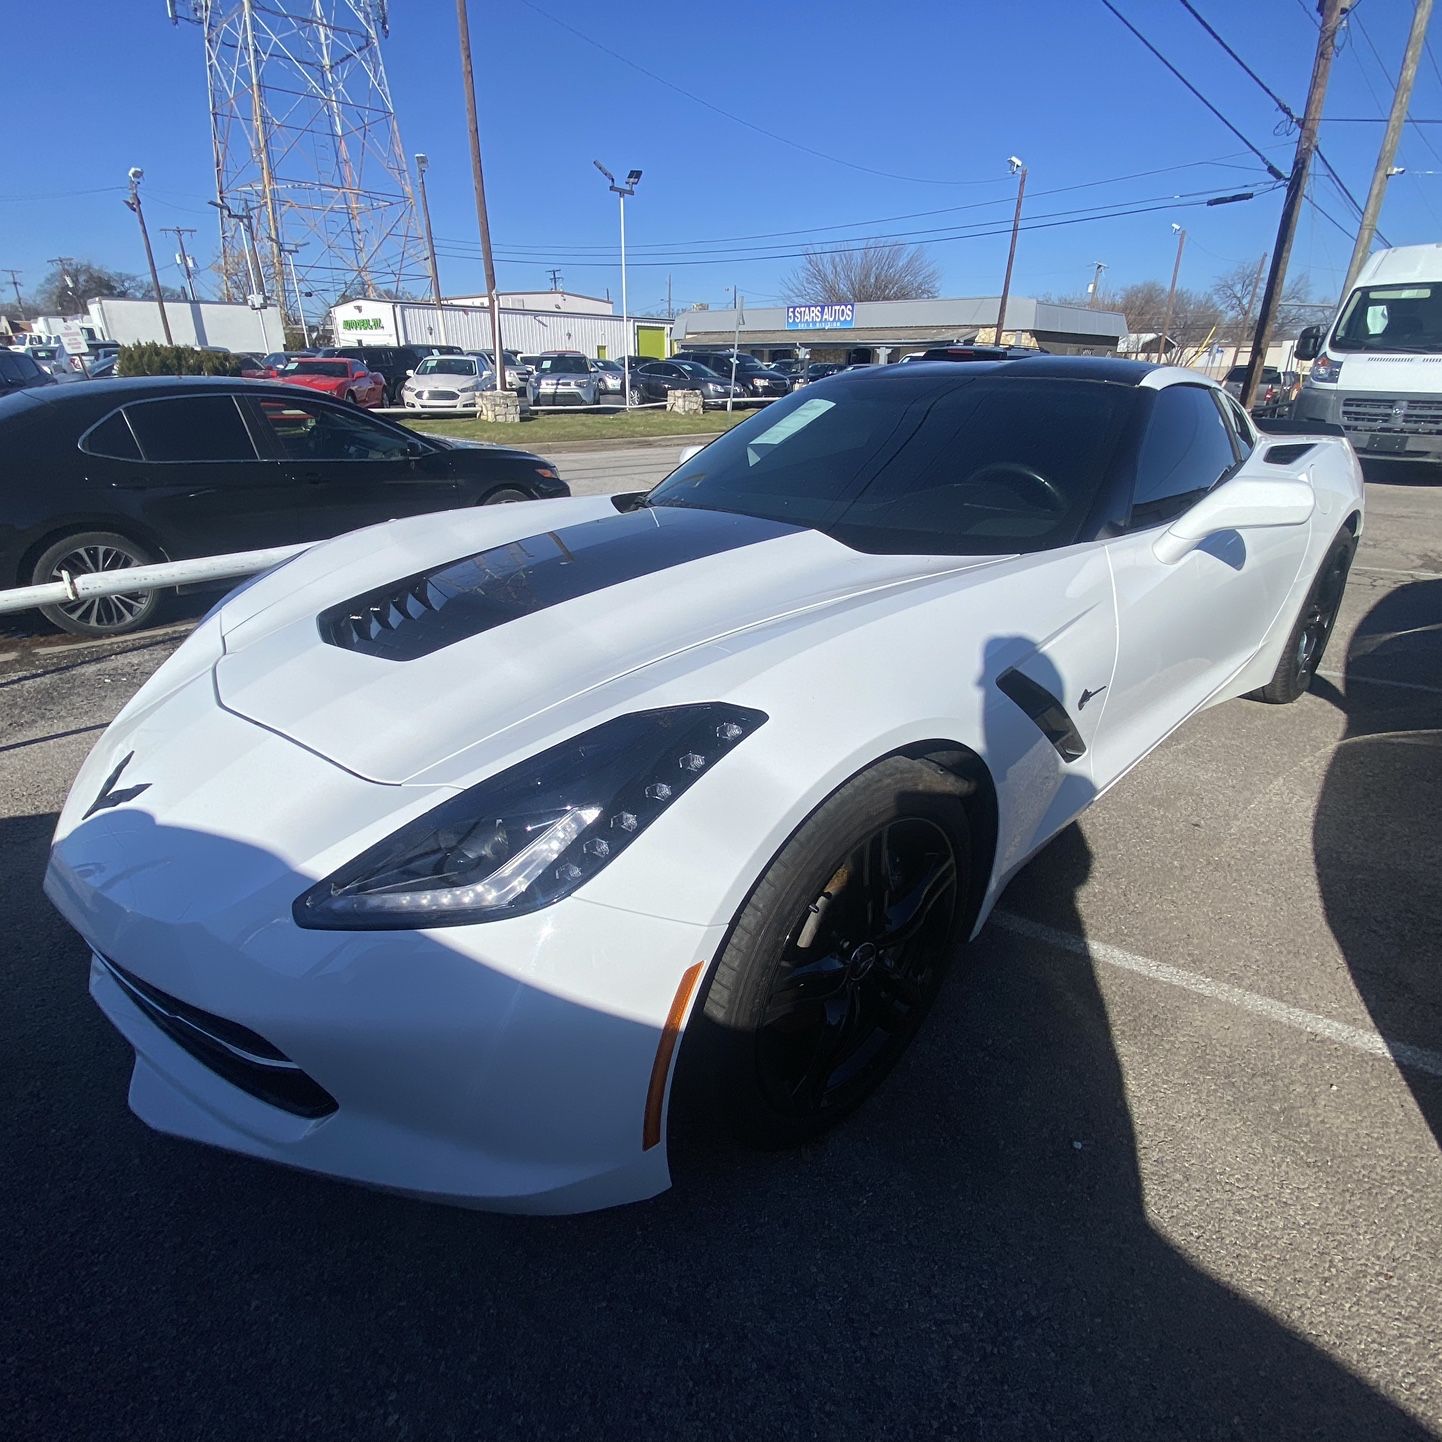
133 202
1018 169
633 179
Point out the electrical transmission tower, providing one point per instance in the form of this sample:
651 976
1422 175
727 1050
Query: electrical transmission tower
305 142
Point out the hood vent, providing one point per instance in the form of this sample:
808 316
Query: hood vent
425 612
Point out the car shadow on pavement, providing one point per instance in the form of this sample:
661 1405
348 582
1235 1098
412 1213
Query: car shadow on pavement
970 1255
1377 833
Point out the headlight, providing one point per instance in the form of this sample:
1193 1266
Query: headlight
1325 370
531 835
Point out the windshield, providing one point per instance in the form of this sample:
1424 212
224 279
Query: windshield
952 466
1404 318
609 365
696 370
315 368
447 365
1271 376
563 365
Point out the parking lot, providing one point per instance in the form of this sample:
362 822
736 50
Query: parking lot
1164 1162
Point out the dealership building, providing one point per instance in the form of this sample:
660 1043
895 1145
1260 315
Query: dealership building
879 331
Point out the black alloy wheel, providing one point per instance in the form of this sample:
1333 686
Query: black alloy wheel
1320 614
835 958
859 967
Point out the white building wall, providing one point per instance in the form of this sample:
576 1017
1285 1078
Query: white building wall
381 322
236 327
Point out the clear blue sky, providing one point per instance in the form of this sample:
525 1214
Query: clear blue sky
936 89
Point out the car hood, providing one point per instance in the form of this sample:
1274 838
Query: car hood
394 650
316 383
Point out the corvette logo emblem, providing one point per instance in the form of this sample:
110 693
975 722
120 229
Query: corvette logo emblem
109 796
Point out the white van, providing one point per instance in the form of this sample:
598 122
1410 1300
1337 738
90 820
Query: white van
1377 369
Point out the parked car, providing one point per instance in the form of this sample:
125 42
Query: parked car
269 366
816 371
102 368
393 362
448 383
166 468
787 367
972 352
411 867
1276 392
758 379
19 370
518 374
338 376
658 379
612 376
565 378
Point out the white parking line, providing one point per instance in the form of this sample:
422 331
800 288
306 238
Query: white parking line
1380 681
1370 1043
1393 571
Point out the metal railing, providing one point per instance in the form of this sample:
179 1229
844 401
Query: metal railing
145 578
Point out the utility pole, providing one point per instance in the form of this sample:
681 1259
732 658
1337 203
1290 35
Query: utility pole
621 189
19 299
246 218
183 256
1018 170
1296 190
670 313
555 280
1393 133
132 201
1172 293
463 25
1096 285
422 165
65 266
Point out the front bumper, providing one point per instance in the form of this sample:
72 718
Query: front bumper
1401 427
465 401
505 1065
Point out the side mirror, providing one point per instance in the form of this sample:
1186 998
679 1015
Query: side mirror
1238 503
1309 343
410 373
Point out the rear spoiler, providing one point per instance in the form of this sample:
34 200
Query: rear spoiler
1286 426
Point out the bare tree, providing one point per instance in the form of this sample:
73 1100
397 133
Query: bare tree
1232 289
1196 315
65 290
871 272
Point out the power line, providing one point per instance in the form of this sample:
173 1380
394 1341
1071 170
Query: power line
739 119
518 250
1271 169
1036 223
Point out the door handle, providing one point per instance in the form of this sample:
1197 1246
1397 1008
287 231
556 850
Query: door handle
310 478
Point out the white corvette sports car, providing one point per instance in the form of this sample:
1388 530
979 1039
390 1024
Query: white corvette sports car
410 865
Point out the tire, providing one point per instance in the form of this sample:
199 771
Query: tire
505 495
806 1009
352 398
638 396
1307 643
89 551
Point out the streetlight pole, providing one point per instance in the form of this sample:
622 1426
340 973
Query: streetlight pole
422 165
463 25
633 179
133 201
1172 293
246 219
1018 170
290 252
1096 285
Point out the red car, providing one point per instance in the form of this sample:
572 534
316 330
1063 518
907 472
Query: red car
346 380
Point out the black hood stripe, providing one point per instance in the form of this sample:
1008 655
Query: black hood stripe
433 609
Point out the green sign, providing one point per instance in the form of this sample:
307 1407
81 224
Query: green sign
370 322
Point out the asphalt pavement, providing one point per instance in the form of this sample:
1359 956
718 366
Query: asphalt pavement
1163 1163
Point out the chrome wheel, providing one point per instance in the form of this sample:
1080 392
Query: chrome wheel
100 615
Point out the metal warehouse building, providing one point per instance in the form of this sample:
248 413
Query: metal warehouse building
886 330
530 321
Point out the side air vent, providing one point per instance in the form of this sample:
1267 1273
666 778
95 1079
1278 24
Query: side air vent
1045 710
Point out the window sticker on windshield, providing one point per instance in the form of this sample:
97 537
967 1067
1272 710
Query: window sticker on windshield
788 425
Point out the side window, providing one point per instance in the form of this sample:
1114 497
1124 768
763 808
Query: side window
307 431
112 437
191 428
1238 423
1185 452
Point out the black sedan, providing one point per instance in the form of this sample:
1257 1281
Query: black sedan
125 472
657 379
